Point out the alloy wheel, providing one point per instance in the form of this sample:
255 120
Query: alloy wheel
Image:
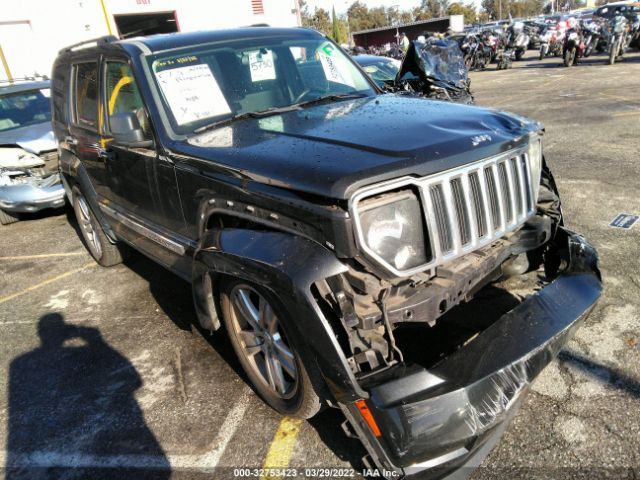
263 342
88 229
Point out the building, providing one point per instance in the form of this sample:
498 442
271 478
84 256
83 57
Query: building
383 35
32 31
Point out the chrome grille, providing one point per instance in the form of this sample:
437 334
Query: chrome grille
480 202
470 206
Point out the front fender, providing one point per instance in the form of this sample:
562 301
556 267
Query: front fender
287 265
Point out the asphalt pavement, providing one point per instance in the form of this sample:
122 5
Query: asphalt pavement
105 367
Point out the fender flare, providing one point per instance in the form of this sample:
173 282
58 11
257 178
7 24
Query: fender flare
287 265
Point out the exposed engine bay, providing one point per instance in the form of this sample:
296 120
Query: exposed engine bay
17 166
385 322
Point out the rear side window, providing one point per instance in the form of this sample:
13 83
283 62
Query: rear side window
60 92
86 95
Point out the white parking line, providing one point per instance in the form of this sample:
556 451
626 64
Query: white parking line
206 461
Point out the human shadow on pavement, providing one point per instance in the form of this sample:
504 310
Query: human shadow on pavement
72 410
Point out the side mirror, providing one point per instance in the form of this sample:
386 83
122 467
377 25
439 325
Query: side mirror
127 131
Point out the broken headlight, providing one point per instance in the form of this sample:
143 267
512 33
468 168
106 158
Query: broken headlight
535 163
393 230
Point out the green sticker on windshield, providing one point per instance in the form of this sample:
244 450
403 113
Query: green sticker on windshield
328 49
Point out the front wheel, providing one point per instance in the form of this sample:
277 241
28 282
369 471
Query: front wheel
569 56
255 323
542 52
589 50
101 249
613 52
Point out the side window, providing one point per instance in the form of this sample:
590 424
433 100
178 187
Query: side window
122 94
60 92
86 95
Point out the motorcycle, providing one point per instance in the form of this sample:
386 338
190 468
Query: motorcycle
592 35
490 42
476 55
551 41
619 37
573 47
518 39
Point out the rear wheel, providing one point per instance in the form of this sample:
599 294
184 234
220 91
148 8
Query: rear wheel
6 218
541 52
101 249
253 319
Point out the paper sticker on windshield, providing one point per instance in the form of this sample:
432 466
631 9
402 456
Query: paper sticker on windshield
261 65
192 93
45 92
336 69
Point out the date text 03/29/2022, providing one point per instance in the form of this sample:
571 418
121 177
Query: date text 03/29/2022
317 472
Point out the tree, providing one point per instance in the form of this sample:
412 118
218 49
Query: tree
338 28
420 14
320 21
499 9
468 11
436 8
304 13
358 15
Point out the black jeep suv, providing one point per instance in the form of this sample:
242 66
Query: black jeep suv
401 259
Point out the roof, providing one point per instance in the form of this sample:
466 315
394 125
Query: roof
404 25
170 41
22 86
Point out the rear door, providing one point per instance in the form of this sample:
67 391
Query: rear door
84 131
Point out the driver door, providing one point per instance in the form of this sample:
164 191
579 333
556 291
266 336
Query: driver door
142 187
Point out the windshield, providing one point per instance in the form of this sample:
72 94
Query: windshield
382 70
24 108
210 83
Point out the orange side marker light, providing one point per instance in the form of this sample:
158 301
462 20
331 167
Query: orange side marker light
368 417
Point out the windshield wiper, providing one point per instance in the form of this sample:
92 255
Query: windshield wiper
241 116
277 110
330 97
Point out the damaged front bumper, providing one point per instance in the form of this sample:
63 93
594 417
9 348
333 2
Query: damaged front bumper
447 419
32 196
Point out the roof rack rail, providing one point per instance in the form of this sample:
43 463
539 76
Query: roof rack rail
32 78
77 46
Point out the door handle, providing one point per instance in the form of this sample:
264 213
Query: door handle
71 140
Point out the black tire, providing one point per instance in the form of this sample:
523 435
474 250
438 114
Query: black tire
99 246
6 218
588 50
519 55
305 398
541 53
569 56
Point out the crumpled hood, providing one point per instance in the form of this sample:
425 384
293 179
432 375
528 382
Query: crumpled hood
32 138
333 149
15 157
